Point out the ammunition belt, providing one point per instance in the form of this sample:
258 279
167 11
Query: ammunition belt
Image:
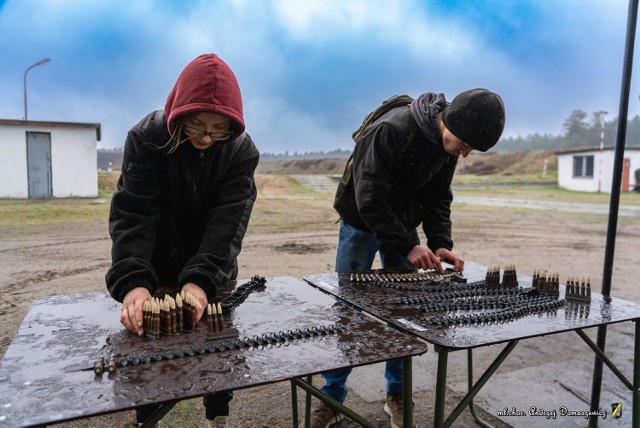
496 316
274 339
240 294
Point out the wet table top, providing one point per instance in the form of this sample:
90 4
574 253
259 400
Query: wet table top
379 301
46 375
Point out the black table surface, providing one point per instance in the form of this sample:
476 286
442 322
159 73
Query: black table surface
42 380
377 301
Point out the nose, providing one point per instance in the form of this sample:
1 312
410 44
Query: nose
464 152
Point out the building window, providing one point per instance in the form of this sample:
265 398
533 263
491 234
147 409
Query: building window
583 166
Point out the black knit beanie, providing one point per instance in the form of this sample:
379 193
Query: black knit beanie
476 117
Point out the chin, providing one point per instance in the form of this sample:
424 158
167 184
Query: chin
200 146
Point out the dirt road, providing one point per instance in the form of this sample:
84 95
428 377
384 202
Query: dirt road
552 371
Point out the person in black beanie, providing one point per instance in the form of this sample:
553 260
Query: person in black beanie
402 167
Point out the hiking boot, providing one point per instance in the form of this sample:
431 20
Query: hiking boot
394 407
218 422
323 416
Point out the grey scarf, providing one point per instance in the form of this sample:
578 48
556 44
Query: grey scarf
425 109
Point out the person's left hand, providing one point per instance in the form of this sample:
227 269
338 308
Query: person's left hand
449 257
200 296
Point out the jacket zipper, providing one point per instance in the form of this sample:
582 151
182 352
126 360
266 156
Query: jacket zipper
197 177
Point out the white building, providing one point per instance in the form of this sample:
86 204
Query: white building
48 159
591 169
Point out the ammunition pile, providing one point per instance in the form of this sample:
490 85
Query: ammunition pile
509 277
546 284
215 322
577 290
493 299
169 315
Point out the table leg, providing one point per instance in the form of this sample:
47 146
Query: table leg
407 377
441 383
480 383
158 414
294 405
307 404
307 386
476 417
635 419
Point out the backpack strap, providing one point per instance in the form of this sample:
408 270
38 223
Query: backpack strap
348 170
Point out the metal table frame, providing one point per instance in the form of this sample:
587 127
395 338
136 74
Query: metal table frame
67 333
467 400
320 282
306 384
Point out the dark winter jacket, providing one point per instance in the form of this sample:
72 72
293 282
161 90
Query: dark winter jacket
398 183
180 217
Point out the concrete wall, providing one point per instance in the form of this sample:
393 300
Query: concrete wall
73 161
14 182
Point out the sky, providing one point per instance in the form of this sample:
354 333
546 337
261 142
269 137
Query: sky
310 70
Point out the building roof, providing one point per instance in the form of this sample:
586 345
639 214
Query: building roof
50 124
591 149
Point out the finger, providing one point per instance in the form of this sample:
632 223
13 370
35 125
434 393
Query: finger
199 313
438 265
200 305
125 320
138 314
429 263
138 321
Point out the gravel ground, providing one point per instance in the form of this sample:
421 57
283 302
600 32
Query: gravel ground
555 371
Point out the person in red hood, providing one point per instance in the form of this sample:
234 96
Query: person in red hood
183 199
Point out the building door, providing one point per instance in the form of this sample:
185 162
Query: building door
626 170
39 164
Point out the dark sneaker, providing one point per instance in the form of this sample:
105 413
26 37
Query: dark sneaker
157 425
323 416
394 407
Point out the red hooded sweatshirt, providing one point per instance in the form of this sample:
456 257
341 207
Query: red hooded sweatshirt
180 215
206 84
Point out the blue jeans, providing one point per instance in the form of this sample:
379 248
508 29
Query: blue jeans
356 251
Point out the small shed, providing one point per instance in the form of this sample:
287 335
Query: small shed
41 159
591 169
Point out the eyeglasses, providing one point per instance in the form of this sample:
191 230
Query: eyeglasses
199 133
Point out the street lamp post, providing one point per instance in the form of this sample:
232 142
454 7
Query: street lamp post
601 120
44 61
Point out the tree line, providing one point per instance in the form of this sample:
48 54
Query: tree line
578 132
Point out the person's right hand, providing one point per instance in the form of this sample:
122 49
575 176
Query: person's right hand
131 316
422 257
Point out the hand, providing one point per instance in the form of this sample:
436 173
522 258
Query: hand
422 257
200 296
131 316
449 257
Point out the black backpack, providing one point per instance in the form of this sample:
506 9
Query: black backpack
387 105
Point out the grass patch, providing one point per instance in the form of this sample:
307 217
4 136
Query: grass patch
30 213
547 193
283 205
